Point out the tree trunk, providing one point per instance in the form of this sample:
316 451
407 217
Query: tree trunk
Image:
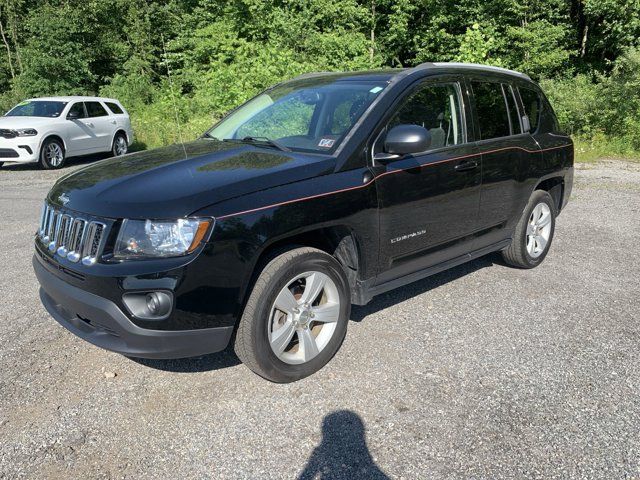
6 44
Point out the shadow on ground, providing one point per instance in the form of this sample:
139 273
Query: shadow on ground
214 361
399 295
343 451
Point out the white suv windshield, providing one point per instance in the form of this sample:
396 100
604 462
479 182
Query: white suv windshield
307 115
37 108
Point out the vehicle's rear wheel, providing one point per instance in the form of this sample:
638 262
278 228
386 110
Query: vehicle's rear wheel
120 145
52 154
296 316
534 232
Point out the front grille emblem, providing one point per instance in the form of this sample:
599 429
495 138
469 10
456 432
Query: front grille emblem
64 198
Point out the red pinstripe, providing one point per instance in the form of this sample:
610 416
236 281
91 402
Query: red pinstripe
287 202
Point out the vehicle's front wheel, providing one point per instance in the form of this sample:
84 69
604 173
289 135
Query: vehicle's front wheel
296 316
534 232
52 154
120 145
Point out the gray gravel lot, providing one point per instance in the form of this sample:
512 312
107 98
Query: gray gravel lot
480 372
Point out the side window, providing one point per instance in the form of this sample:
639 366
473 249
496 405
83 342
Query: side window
94 109
532 106
114 107
514 118
491 109
79 108
435 107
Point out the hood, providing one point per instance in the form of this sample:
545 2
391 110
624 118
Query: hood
24 122
175 181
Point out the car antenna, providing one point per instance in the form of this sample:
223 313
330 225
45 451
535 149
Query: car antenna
173 98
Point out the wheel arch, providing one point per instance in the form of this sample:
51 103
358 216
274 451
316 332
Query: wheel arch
122 131
555 187
339 241
53 136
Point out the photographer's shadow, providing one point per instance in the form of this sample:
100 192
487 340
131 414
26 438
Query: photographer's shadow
343 452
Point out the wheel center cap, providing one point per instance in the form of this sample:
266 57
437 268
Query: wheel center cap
304 317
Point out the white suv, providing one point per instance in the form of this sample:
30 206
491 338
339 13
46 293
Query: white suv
49 130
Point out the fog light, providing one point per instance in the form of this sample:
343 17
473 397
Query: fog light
158 303
149 305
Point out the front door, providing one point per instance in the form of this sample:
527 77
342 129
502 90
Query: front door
428 202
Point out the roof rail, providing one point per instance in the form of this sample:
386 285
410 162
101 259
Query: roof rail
474 66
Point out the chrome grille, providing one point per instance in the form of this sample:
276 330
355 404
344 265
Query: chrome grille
76 239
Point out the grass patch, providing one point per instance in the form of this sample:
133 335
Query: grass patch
590 150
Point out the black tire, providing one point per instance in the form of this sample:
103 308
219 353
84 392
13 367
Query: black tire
115 149
1 164
252 337
46 160
517 254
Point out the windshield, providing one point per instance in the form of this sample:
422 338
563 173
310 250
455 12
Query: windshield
311 116
37 108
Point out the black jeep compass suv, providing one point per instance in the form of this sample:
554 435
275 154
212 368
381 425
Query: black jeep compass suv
318 193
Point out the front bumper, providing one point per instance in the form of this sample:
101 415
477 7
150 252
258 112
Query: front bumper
19 149
100 321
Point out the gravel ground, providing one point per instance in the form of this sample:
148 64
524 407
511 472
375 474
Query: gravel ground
480 372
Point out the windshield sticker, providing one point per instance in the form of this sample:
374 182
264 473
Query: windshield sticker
326 143
375 89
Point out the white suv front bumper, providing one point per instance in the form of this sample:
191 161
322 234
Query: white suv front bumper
19 149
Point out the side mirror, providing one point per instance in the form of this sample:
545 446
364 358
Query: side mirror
404 140
73 115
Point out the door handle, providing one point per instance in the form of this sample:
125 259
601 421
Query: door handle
465 166
89 124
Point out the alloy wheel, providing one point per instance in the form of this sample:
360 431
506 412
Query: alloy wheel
303 317
538 230
54 154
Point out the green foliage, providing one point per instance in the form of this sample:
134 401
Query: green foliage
178 65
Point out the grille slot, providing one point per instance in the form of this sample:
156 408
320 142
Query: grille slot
72 238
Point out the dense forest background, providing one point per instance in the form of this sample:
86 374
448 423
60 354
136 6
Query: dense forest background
210 55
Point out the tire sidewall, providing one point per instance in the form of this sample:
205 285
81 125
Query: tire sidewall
270 363
43 159
537 198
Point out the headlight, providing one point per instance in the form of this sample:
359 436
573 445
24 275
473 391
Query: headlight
160 238
26 132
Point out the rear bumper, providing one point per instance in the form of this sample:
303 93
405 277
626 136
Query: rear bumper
100 321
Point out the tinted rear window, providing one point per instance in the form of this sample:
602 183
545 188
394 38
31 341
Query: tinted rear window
114 107
94 109
491 108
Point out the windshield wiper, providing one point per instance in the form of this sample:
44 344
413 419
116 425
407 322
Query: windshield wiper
260 141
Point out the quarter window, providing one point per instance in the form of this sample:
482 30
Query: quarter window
94 109
491 109
532 106
114 107
435 107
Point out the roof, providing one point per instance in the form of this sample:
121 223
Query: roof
391 73
75 98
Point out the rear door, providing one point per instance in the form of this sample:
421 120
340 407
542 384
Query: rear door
428 202
506 152
80 136
102 124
